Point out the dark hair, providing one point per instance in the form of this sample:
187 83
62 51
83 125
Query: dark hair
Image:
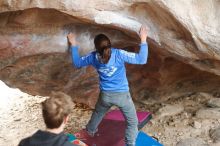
103 47
55 109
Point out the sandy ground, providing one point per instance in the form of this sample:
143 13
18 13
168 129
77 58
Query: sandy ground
173 120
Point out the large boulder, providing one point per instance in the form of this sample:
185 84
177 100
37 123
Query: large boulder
184 44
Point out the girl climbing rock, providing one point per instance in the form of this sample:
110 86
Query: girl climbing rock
114 90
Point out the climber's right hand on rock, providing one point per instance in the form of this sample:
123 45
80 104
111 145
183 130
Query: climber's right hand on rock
72 39
143 33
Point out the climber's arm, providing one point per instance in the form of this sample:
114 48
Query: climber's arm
137 58
78 61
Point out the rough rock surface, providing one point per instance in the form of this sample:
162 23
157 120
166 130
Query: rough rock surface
20 115
214 102
187 29
170 110
192 142
184 40
209 113
215 135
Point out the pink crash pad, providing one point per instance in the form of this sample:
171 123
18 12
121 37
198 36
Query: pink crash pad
111 130
143 117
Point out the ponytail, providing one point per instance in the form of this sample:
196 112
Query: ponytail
103 48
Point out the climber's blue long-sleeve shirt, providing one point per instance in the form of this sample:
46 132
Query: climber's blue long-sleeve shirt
112 75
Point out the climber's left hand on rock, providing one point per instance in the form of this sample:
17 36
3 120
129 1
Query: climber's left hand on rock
72 39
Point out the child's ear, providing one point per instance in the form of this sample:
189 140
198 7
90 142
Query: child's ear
65 120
